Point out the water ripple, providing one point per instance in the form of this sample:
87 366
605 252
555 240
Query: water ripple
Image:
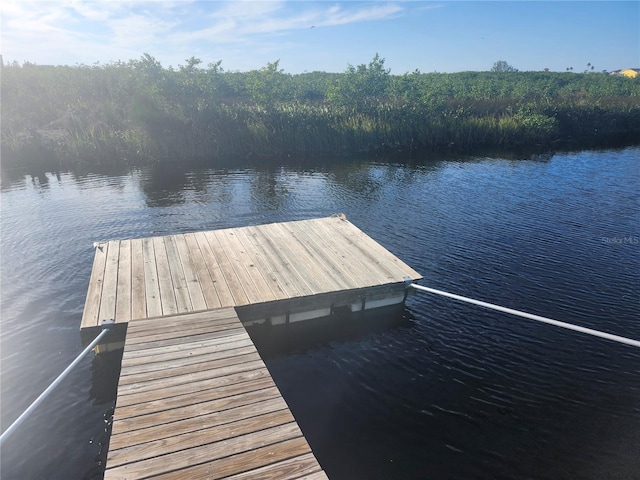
447 391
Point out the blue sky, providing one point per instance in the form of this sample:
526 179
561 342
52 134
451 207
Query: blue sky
446 36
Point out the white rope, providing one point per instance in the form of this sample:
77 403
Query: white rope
550 321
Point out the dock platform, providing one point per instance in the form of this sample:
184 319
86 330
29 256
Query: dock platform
195 399
280 272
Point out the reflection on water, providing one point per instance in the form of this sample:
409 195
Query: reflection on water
165 185
443 390
268 189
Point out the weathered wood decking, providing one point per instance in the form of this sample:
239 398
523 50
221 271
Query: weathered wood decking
195 400
266 271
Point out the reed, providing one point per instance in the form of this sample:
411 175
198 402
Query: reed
140 112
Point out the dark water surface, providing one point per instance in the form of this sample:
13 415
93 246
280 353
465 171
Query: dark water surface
442 390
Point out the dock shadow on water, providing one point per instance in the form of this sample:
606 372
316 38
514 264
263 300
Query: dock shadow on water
330 369
342 326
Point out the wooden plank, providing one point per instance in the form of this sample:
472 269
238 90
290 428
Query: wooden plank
171 369
109 289
320 475
175 443
185 357
205 421
220 283
219 315
153 364
305 248
373 250
123 295
325 256
289 279
187 328
202 272
200 337
190 350
234 283
179 347
154 368
212 421
254 287
244 258
365 272
151 285
186 379
210 381
365 249
281 281
271 277
336 254
302 467
307 258
184 460
138 291
167 417
280 254
165 283
243 462
92 303
179 328
178 277
193 285
194 398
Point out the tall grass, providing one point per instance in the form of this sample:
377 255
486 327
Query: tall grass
139 112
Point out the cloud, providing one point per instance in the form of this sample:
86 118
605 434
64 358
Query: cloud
83 31
339 16
237 21
247 9
80 31
36 29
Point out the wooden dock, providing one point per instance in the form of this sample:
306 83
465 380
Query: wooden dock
277 272
195 399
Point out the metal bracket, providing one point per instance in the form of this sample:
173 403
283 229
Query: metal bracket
407 285
108 323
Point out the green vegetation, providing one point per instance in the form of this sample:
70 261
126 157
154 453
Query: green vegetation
139 111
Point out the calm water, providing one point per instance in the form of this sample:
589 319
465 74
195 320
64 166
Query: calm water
442 390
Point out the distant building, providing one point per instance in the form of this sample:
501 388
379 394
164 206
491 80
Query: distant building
628 72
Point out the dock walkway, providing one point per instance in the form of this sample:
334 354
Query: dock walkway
195 400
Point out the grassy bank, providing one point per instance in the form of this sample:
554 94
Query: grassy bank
139 111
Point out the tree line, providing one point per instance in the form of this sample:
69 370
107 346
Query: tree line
139 111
